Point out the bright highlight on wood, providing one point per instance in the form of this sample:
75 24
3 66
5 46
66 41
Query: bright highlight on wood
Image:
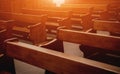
58 2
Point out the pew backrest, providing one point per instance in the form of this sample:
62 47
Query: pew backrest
110 26
59 62
50 13
90 39
5 15
29 18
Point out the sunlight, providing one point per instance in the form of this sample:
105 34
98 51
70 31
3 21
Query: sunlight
58 2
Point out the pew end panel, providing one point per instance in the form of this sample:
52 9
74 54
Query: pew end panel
6 63
7 26
83 23
38 33
65 22
30 27
87 22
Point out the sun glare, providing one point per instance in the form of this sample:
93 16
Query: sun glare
58 2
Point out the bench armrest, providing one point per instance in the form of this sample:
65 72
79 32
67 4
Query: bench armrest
33 26
54 44
65 22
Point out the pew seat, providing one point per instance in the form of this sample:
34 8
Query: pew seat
29 27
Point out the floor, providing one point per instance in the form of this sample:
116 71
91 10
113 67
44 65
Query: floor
24 68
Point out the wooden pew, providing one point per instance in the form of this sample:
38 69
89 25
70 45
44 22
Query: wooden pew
29 27
98 9
2 38
108 15
67 64
109 11
113 7
118 16
78 8
111 26
84 22
97 47
107 27
85 38
55 19
81 15
95 9
5 27
5 16
5 19
6 63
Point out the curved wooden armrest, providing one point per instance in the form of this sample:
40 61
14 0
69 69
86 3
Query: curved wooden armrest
54 44
90 31
11 40
65 22
5 21
1 55
10 20
3 30
48 43
54 18
32 26
61 27
85 15
63 19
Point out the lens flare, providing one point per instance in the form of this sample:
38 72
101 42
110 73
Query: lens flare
58 2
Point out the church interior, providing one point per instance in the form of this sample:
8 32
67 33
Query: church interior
59 36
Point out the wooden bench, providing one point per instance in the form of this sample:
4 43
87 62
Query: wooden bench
108 26
81 15
2 38
118 17
5 19
6 63
55 19
29 27
78 8
84 22
68 64
95 9
5 16
98 9
104 28
108 15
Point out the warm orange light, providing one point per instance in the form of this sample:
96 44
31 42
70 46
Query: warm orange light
58 2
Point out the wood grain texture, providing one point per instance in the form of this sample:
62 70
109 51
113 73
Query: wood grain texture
56 61
90 39
33 25
111 26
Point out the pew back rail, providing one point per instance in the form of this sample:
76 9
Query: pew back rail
59 62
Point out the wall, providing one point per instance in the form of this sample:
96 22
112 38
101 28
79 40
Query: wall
5 5
17 5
